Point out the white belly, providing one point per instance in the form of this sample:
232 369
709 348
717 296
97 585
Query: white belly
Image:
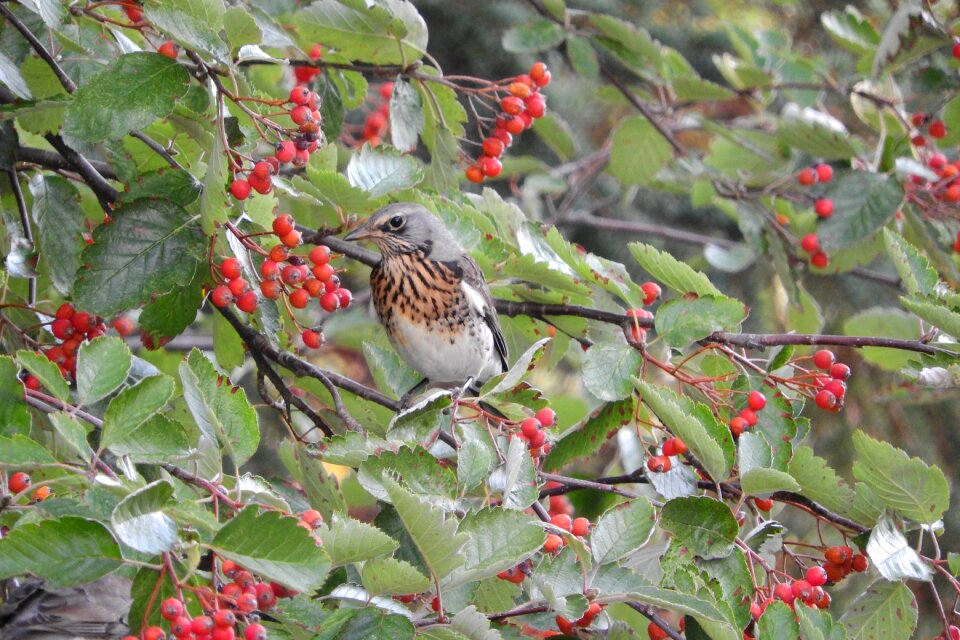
445 358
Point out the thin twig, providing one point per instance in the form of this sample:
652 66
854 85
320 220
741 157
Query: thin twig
54 161
62 76
648 612
105 193
288 397
763 340
157 148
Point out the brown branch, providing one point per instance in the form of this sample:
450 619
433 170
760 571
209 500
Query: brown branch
56 162
206 485
763 340
157 148
648 612
62 76
105 193
288 397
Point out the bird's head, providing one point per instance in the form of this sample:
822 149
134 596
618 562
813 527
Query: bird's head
406 227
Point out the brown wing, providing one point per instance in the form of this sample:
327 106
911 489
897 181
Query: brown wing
468 270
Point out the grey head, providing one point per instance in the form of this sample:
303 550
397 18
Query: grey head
406 227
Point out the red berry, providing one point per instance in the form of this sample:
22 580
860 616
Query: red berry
784 592
756 400
123 325
330 302
810 243
222 633
490 166
535 106
655 632
763 504
255 631
546 416
283 224
169 49
221 296
956 50
240 189
291 275
82 321
323 272
314 287
820 260
825 400
299 95
838 555
503 136
824 172
860 563
511 105
755 611
918 119
659 464
544 80
154 633
816 576
262 170
592 612
201 625
937 129
824 359
738 425
807 176
285 151
312 339
299 298
180 627
62 328
320 254
493 147
580 527
134 13
651 292
248 302
802 590
292 239
301 114
263 185
230 268
516 126
552 543
224 618
65 311
530 427
171 609
474 174
344 296
837 387
679 446
952 194
840 371
918 141
750 416
18 482
824 207
537 70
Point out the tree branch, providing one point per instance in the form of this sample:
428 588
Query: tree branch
105 193
56 162
288 397
763 340
62 76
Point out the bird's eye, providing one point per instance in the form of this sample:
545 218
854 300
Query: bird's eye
396 222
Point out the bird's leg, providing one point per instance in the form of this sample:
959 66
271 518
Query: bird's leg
409 395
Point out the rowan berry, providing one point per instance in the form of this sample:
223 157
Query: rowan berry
292 239
311 338
656 632
474 174
41 493
807 176
18 482
651 292
820 260
248 302
816 576
240 189
224 618
838 555
169 49
810 243
824 172
201 625
330 302
580 527
750 416
552 543
738 425
763 504
937 129
490 166
511 105
659 464
784 592
756 400
824 359
255 631
824 207
860 563
62 328
546 416
154 633
222 633
535 106
221 296
180 626
171 609
563 521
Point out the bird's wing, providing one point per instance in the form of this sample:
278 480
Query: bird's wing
469 272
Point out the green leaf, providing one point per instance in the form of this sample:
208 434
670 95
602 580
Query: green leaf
169 314
73 433
622 530
520 369
102 366
809 131
538 35
707 613
583 59
496 539
156 440
133 406
632 45
474 625
778 621
608 369
818 481
935 313
222 411
906 485
364 624
708 440
818 625
323 492
475 461
406 116
884 322
228 346
251 540
385 33
863 202
191 23
380 171
389 576
46 372
557 134
433 532
139 520
758 473
630 167
914 269
169 184
389 370
587 438
703 525
850 29
14 416
348 540
214 202
419 471
64 552
20 451
672 273
150 247
519 487
681 322
885 611
138 89
241 28
60 221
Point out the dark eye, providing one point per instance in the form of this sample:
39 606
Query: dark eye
396 222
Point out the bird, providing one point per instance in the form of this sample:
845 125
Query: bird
432 299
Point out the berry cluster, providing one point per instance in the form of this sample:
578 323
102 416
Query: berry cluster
568 627
532 430
747 418
832 385
20 481
651 293
823 207
377 120
937 196
72 328
288 275
577 526
305 114
656 632
840 561
518 109
671 447
304 74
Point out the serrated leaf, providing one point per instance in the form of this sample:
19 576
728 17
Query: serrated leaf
914 269
884 322
380 171
519 370
885 611
14 416
671 272
158 439
708 440
587 438
73 433
863 202
703 525
818 481
64 552
681 322
906 485
46 372
389 619
420 472
191 23
222 411
18 451
818 625
133 406
348 540
815 133
433 532
321 487
707 613
250 539
389 576
608 369
150 247
474 625
622 530
139 520
778 621
385 33
138 89
537 35
102 366
406 116
475 461
935 313
60 220
850 29
241 28
892 554
519 488
758 472
496 539
629 167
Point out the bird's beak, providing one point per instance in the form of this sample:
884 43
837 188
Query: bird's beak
361 232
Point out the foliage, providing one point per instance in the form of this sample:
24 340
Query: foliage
153 152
